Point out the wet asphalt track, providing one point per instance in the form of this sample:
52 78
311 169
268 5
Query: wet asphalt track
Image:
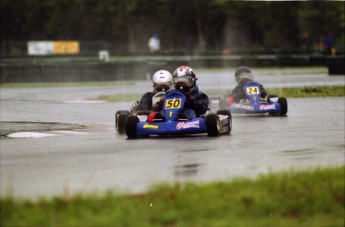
96 158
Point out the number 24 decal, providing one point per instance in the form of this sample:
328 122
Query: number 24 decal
172 103
253 90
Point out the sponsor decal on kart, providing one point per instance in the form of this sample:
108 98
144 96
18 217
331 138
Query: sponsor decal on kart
267 107
274 99
191 124
150 126
241 106
222 117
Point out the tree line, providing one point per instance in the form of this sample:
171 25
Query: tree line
189 26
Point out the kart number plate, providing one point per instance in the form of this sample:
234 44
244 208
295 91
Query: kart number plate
253 90
173 103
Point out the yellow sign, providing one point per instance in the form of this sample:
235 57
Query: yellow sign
66 47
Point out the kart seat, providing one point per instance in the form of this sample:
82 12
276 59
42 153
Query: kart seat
182 117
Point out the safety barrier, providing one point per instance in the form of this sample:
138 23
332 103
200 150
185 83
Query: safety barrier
132 68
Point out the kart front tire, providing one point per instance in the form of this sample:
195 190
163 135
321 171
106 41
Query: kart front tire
212 124
120 120
283 105
227 113
131 126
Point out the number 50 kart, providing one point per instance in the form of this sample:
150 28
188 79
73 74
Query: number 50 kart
173 123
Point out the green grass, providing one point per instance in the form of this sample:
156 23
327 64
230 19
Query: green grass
295 198
289 92
309 91
120 97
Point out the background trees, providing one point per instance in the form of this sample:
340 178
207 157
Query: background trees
191 26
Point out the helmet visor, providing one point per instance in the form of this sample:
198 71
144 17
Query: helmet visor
162 87
184 80
244 76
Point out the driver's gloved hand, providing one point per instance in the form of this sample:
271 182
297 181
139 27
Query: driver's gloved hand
191 99
155 108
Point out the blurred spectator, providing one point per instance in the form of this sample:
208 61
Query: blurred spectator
226 51
305 43
328 44
154 43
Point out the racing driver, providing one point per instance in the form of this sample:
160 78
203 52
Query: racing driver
162 80
242 76
197 102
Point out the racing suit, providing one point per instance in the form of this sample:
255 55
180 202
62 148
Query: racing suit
197 101
196 104
146 101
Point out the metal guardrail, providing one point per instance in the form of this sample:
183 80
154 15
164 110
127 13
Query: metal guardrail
69 69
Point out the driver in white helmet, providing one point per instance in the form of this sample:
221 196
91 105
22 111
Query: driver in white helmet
162 80
197 101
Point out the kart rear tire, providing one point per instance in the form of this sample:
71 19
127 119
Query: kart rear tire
131 126
120 121
212 124
227 113
283 105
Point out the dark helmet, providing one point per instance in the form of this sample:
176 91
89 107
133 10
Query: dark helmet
243 74
184 78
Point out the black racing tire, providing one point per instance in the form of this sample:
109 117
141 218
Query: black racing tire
131 126
212 124
283 105
228 113
120 120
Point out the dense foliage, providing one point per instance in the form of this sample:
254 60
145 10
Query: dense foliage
193 26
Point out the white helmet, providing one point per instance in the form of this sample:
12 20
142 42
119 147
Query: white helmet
162 81
184 78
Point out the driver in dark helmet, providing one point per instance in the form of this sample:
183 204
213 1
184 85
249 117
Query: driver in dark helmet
242 76
197 101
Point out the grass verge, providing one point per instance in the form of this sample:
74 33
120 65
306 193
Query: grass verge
309 91
294 198
289 92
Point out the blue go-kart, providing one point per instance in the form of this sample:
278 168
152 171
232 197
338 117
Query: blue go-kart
172 122
121 115
254 104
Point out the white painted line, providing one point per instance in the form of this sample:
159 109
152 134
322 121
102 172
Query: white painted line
45 134
29 135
